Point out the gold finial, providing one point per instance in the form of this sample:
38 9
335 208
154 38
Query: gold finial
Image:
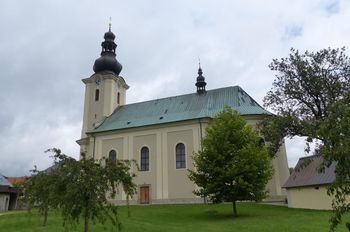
110 23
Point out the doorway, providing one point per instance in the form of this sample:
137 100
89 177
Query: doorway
144 195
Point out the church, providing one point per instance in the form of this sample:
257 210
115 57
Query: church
162 134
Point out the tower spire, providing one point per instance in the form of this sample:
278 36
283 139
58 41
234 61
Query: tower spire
200 72
200 80
107 62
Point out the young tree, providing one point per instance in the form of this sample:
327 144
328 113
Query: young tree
85 185
306 88
233 164
39 192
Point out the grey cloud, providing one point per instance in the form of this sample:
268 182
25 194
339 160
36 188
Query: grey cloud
47 47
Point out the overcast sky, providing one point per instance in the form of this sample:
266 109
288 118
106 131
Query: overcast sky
47 47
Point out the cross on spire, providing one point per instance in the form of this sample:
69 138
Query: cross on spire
110 23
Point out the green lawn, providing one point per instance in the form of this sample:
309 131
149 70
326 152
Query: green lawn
192 218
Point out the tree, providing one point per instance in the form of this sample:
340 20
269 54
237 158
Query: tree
84 186
80 188
335 131
307 88
233 164
39 191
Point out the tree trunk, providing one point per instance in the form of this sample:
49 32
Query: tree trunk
234 208
86 221
128 204
45 217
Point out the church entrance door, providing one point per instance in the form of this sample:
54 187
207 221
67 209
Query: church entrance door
144 195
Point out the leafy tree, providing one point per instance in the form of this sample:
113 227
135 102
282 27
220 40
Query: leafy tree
335 131
80 188
304 88
308 88
233 164
84 186
39 192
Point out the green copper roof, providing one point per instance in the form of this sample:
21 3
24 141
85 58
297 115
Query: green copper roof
180 108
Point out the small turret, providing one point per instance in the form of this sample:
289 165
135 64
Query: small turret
200 81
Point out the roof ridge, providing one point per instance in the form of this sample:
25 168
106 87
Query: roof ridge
157 99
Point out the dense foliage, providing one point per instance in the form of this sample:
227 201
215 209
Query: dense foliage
310 97
233 164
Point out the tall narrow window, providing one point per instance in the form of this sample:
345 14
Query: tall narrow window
144 159
112 156
118 98
97 94
180 155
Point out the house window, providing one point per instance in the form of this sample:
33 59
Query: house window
180 155
118 98
97 94
112 156
144 159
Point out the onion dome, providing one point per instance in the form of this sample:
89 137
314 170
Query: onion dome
200 81
107 62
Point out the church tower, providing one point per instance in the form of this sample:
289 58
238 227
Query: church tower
105 90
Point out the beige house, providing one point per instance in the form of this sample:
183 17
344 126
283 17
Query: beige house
307 187
160 134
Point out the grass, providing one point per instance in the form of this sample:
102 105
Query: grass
204 218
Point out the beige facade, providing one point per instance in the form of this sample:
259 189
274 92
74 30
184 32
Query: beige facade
310 197
103 94
163 178
163 181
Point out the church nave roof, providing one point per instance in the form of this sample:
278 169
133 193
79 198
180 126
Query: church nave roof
180 108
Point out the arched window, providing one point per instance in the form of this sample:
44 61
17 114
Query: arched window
118 98
112 155
180 155
97 94
144 159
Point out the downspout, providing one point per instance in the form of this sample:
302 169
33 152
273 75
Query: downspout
201 133
93 151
